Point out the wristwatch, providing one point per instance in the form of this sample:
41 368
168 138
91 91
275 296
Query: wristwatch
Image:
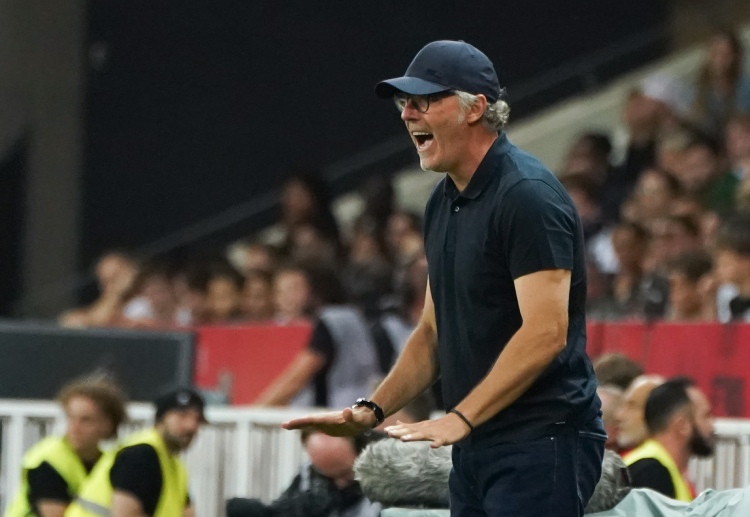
369 404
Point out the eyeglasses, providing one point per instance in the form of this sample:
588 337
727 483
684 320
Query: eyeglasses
421 103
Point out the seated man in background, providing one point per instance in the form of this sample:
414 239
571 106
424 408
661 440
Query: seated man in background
611 397
631 426
55 468
115 272
692 297
324 488
340 361
145 476
678 416
616 369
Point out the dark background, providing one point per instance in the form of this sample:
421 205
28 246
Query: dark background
145 364
196 106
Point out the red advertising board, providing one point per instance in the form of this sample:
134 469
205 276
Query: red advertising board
716 356
251 356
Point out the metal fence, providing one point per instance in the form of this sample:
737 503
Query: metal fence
244 452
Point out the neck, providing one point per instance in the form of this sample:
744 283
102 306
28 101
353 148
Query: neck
676 449
478 145
88 454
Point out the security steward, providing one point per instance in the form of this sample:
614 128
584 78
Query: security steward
145 476
55 468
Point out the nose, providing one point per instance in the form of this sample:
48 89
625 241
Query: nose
410 112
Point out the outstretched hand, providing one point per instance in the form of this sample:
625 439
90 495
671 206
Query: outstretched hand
348 422
442 431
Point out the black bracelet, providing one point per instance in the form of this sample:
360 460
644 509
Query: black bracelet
462 417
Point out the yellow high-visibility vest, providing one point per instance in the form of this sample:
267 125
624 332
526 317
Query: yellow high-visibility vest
56 451
95 497
651 449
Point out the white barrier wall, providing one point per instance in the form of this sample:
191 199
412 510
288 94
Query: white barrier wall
244 451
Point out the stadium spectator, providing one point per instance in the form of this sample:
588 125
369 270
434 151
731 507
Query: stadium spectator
392 328
652 113
247 256
732 259
611 397
189 286
292 295
600 305
367 275
55 468
223 294
630 243
405 241
737 142
115 272
678 417
257 297
631 426
589 156
306 203
721 88
616 369
702 173
145 476
340 360
654 193
671 236
324 487
379 199
307 243
154 303
585 195
671 148
692 292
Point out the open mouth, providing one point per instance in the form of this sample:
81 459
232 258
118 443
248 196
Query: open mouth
423 139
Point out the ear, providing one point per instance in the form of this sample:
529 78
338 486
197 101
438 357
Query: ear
683 424
474 114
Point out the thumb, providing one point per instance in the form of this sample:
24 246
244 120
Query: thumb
349 415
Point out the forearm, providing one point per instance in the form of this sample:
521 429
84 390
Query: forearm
51 508
285 387
521 362
414 371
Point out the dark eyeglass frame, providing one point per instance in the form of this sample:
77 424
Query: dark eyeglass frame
401 100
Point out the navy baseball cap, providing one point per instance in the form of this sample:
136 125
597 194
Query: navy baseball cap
445 65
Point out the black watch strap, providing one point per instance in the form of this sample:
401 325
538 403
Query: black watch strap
369 404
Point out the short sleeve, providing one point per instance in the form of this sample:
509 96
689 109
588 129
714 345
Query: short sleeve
321 342
136 470
46 483
649 473
538 228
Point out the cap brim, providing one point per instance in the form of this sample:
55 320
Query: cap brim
410 85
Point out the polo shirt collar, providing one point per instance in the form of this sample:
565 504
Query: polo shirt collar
484 173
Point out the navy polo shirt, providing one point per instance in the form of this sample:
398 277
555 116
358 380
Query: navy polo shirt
512 219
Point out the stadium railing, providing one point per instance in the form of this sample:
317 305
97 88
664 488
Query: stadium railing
244 452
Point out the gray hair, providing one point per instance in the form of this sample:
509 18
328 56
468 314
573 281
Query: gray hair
495 115
612 487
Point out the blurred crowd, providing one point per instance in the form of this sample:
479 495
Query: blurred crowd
666 204
282 276
664 200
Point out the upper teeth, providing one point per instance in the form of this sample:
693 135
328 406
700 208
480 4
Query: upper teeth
421 133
